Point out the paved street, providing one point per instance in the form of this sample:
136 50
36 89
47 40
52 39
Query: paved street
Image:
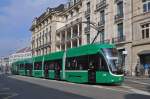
19 87
138 83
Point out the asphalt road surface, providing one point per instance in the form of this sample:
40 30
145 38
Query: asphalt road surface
20 87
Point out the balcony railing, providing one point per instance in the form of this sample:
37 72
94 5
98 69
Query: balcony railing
77 1
73 4
74 35
63 40
86 29
105 41
47 44
87 13
58 42
68 37
101 23
118 1
119 39
118 17
101 5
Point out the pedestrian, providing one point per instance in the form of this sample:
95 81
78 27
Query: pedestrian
137 68
142 70
149 70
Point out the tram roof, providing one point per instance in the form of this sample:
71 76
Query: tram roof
82 50
51 56
27 60
38 58
54 56
87 49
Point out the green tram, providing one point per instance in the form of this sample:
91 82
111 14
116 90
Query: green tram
23 67
94 63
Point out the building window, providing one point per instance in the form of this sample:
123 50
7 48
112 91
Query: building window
120 9
146 5
120 30
66 17
88 6
71 13
88 23
102 16
102 36
145 30
46 37
88 38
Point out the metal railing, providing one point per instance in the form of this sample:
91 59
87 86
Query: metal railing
86 29
105 41
87 13
119 17
118 1
101 4
119 39
101 23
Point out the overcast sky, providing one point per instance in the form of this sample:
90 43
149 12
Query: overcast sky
15 20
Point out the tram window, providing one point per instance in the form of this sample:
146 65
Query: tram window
58 64
18 66
77 63
28 66
68 64
48 65
103 65
53 64
38 66
72 64
22 66
67 67
83 62
94 61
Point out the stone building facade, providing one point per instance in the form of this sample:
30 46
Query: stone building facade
4 65
71 33
121 22
44 29
141 33
23 53
114 21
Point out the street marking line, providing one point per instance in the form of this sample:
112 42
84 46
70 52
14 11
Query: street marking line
129 89
49 80
107 88
140 92
5 88
138 82
9 95
137 78
81 85
136 90
12 95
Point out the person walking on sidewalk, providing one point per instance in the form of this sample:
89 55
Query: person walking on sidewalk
137 69
149 71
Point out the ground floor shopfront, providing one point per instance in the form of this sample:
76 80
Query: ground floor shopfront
141 54
133 54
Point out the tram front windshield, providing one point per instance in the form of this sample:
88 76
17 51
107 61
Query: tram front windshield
114 60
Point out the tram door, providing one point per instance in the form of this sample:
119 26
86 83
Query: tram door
25 68
92 69
92 76
46 69
30 70
57 71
